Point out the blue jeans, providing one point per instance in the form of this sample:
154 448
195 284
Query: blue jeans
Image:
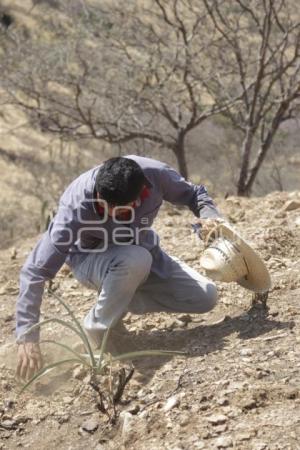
124 281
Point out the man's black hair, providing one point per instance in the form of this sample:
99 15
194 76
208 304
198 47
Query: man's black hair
119 181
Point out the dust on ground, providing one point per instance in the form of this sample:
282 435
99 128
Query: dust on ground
238 386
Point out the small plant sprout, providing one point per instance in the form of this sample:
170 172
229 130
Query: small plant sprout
99 363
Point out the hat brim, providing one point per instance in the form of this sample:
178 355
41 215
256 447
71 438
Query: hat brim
258 278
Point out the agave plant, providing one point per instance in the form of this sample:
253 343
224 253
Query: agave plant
98 362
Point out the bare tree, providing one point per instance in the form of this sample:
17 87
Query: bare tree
125 75
151 73
258 54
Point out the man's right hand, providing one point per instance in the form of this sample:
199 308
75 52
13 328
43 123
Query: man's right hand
30 360
207 226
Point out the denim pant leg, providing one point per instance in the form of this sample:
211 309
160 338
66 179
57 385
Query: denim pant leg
116 274
184 291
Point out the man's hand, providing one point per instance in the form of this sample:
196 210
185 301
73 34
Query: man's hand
207 226
29 360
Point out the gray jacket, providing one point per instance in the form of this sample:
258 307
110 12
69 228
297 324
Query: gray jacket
78 227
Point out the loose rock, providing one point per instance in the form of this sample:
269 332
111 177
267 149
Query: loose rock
90 425
79 373
9 424
171 403
291 205
243 437
223 442
217 419
248 403
246 352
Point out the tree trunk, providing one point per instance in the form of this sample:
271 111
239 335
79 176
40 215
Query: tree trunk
260 158
266 146
242 188
179 151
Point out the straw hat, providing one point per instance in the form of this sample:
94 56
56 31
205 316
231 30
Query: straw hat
230 258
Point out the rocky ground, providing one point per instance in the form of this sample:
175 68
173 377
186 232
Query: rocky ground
238 385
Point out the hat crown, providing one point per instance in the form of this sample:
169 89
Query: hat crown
230 258
223 261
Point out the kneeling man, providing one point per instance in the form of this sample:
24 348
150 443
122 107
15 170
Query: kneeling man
102 230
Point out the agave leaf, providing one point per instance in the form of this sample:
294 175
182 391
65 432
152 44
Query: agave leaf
65 324
66 347
76 321
46 369
103 347
100 363
53 319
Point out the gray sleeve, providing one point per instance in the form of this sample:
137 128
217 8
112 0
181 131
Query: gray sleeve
42 264
179 191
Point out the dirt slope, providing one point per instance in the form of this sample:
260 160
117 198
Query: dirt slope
237 388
